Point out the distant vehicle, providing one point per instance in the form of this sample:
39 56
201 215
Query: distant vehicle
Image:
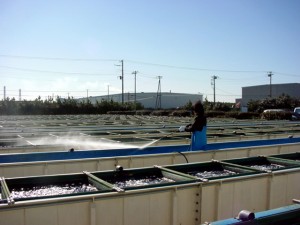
275 114
296 114
273 110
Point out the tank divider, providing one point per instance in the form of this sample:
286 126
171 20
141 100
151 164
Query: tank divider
99 183
286 161
181 174
244 167
6 192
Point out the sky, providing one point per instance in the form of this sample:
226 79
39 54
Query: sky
74 47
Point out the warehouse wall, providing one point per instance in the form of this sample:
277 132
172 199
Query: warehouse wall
263 91
148 100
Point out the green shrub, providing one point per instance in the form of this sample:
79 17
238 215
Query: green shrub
242 115
248 115
181 113
234 114
121 112
215 114
160 113
143 112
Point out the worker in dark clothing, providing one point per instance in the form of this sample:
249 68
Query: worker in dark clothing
198 128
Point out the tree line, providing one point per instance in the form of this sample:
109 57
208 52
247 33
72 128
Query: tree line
70 105
282 102
63 106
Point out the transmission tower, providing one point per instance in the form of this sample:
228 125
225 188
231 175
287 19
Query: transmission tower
158 95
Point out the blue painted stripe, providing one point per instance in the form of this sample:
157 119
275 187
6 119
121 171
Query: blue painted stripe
84 154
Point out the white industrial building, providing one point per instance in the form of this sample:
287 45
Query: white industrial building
260 92
152 100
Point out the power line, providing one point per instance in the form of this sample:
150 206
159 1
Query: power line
287 74
57 72
56 58
147 76
229 93
143 63
53 91
242 78
209 70
21 77
194 68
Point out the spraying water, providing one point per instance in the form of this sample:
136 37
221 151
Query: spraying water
80 142
29 142
148 144
154 141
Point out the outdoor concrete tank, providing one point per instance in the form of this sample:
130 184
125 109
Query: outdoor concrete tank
187 200
46 163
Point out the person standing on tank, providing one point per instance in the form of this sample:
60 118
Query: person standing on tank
198 128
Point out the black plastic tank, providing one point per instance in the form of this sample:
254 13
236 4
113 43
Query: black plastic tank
295 157
128 179
28 188
212 170
264 163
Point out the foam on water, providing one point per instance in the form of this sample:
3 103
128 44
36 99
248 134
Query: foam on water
149 180
212 173
50 190
271 166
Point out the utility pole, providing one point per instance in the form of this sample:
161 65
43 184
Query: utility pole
135 72
107 92
122 78
213 83
87 95
270 74
158 96
122 62
4 93
20 95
